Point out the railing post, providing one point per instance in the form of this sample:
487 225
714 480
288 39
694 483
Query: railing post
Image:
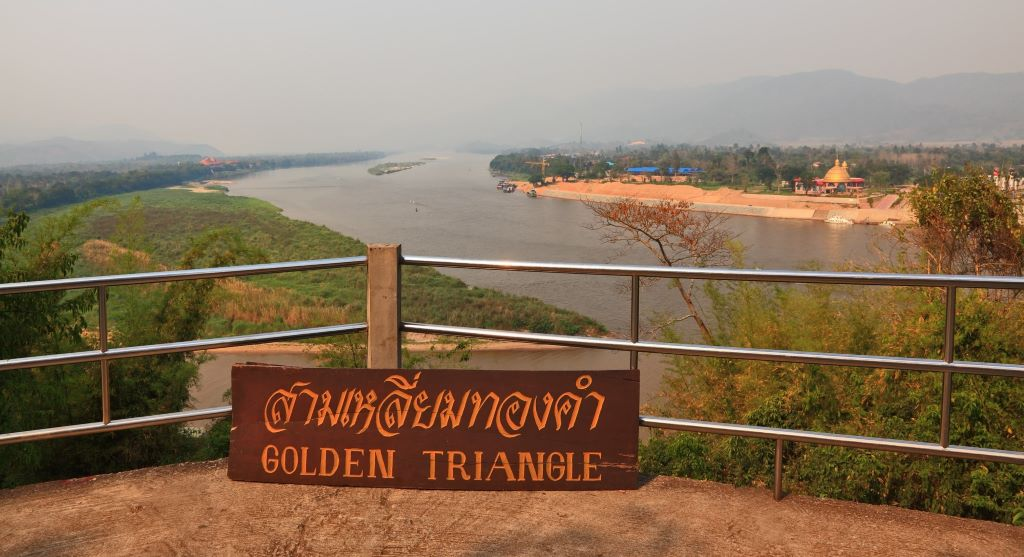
101 297
383 306
947 355
779 494
634 319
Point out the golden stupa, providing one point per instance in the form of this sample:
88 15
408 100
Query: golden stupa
838 174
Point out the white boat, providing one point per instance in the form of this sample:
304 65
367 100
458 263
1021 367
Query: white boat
836 219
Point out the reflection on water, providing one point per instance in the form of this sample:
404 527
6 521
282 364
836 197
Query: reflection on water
450 207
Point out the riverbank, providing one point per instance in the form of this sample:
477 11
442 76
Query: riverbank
735 202
166 222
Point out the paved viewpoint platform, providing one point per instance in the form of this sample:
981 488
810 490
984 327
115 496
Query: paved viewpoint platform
194 509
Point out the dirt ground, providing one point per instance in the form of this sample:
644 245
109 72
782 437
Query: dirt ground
731 201
193 509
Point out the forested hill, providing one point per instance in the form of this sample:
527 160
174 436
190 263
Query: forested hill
32 188
59 150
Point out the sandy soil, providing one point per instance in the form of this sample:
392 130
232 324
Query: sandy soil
196 189
193 509
730 201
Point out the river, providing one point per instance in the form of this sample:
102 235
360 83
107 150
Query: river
450 207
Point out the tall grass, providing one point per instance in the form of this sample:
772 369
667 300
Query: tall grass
161 222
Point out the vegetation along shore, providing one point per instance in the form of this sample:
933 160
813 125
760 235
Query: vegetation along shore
29 188
180 228
837 184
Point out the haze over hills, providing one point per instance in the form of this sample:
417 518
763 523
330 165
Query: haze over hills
59 150
818 107
828 106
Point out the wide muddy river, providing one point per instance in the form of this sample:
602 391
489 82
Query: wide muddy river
450 207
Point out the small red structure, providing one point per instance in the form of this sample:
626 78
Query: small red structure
214 162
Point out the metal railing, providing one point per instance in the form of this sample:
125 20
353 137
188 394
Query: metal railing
104 355
947 365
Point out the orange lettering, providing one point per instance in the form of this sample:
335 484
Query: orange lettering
479 465
501 461
387 468
568 474
461 465
270 463
304 460
556 471
588 467
536 470
324 451
284 460
351 463
433 461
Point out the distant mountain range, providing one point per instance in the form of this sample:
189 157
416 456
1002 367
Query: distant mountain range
819 107
828 106
60 150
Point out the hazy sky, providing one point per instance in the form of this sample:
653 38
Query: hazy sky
298 76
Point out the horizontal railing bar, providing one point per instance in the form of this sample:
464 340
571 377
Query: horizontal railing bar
114 425
835 439
787 356
696 426
757 275
183 274
174 347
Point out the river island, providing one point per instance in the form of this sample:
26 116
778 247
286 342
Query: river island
392 167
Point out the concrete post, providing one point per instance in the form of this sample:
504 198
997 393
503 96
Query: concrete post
383 306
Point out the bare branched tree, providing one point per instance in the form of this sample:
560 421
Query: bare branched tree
674 233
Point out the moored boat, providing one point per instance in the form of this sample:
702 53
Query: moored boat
836 219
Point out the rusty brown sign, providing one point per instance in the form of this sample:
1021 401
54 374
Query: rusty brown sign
435 429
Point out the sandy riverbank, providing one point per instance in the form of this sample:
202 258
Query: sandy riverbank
734 202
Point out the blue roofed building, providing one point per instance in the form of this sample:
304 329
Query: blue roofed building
655 174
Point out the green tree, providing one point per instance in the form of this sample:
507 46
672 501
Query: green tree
562 167
54 323
987 411
962 226
880 178
967 225
39 323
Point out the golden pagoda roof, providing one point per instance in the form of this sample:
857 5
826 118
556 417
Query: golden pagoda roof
838 174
